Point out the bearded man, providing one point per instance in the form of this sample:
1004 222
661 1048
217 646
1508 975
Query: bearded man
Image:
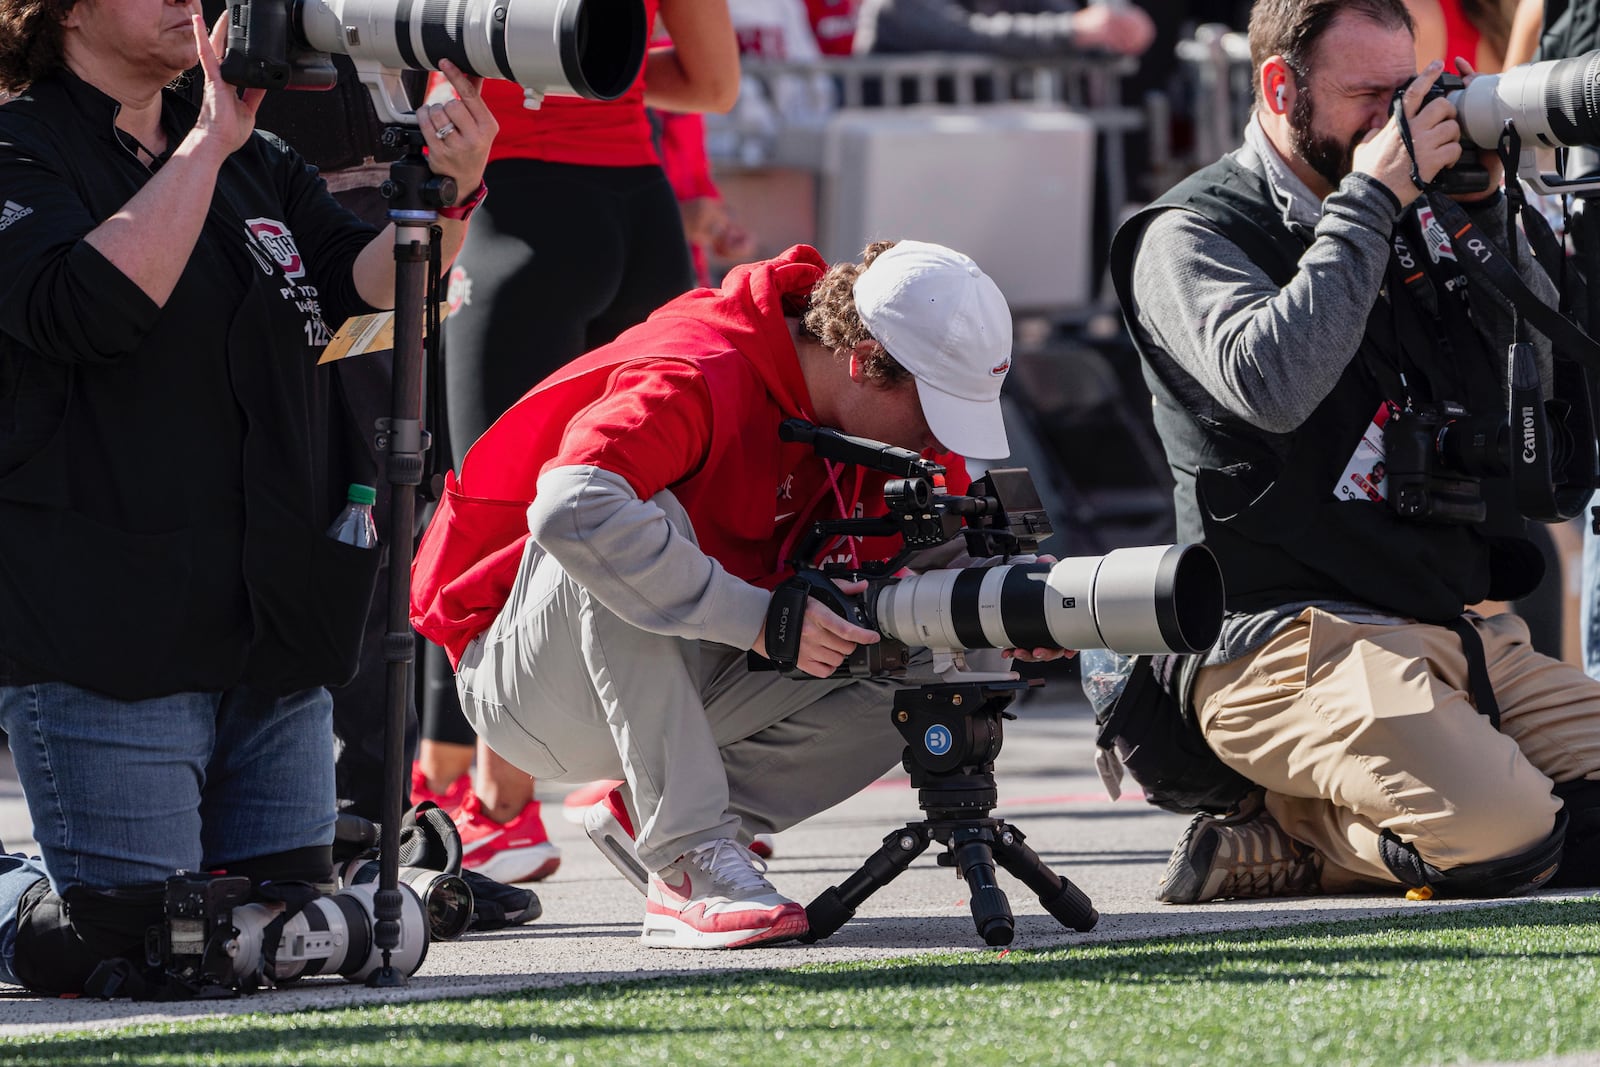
1296 305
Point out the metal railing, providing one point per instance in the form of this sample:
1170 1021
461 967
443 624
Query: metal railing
1091 84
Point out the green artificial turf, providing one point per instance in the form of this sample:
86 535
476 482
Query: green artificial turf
1496 984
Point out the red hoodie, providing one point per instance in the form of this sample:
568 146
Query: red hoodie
689 400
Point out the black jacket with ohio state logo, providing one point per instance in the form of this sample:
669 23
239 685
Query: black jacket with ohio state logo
164 471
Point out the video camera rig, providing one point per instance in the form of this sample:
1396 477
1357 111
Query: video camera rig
1168 598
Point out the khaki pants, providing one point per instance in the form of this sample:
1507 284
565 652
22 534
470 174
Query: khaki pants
1355 728
565 689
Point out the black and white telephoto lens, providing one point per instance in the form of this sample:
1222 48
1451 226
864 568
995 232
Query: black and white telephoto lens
1166 598
330 935
1554 103
588 48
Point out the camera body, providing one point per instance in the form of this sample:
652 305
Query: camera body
1437 454
1467 174
1554 104
192 944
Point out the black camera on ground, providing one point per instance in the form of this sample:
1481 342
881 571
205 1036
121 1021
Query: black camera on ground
220 935
1437 454
1166 598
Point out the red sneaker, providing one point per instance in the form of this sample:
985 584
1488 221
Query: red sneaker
581 799
449 800
515 851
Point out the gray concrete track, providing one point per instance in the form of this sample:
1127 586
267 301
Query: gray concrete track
1115 852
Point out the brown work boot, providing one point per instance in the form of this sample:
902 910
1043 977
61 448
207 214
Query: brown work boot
1246 854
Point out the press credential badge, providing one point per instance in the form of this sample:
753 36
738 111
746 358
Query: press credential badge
1363 477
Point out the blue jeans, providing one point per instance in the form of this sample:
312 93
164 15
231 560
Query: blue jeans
129 792
1589 595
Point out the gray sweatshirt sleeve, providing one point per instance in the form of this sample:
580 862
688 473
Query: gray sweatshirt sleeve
628 556
1266 354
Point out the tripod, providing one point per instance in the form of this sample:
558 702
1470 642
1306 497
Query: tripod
414 194
953 733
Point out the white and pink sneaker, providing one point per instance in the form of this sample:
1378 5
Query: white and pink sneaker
716 895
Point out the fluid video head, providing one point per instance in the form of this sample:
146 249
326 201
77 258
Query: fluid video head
1166 598
588 48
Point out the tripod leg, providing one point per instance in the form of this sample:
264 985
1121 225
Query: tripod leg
991 911
1069 904
835 905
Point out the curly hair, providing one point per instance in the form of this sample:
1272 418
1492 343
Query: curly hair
831 319
31 38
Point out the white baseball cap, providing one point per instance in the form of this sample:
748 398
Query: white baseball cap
943 319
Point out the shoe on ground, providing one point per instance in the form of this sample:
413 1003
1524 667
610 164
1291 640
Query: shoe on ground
515 851
716 895
763 846
1245 855
450 800
575 806
609 827
496 905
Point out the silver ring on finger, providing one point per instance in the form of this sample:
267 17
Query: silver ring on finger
446 130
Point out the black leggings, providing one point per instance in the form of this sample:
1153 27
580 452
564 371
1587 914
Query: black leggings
559 260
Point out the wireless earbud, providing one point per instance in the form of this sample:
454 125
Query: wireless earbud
1280 98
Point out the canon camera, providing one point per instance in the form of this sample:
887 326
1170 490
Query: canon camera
1554 104
1438 454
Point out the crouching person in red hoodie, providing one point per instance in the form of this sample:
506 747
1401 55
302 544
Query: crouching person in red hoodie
604 558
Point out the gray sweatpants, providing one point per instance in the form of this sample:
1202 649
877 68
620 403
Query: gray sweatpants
564 689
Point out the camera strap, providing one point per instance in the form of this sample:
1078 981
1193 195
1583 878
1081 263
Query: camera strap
1437 285
1483 264
294 896
786 613
1478 684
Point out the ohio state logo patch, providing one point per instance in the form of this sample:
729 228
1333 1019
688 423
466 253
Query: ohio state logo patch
275 238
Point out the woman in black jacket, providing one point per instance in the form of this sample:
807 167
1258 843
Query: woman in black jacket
170 607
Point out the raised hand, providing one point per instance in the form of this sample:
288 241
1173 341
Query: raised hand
458 131
1435 136
227 117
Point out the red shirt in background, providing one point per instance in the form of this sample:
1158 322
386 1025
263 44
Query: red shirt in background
1460 36
569 129
834 23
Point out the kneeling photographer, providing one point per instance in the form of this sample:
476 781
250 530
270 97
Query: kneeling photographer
171 607
607 554
1331 381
